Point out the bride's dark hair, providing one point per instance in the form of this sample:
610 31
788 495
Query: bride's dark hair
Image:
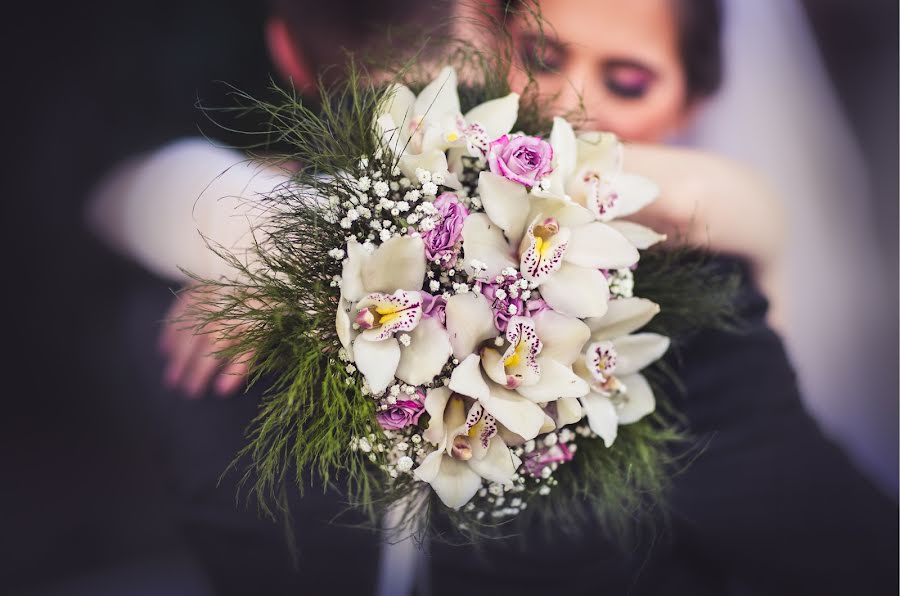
700 41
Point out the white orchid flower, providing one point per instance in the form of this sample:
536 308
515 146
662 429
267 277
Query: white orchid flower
619 394
589 170
419 129
468 448
380 294
530 365
557 244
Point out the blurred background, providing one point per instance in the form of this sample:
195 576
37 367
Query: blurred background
84 497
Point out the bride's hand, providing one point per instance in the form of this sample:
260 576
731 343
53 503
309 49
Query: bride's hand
193 364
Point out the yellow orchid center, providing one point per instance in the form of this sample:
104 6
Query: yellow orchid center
516 357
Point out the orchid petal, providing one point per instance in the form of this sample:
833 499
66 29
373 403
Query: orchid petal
427 353
513 411
638 400
634 193
623 316
542 256
562 139
352 286
568 411
433 160
399 263
399 104
466 379
470 321
506 204
640 236
492 365
563 336
456 482
567 213
549 424
439 97
430 467
499 464
602 417
377 361
391 313
483 241
636 351
497 116
556 381
599 246
435 403
576 291
344 326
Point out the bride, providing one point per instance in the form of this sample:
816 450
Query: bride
640 73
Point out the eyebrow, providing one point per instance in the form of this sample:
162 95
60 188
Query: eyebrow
544 40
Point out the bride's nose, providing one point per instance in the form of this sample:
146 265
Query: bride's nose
580 88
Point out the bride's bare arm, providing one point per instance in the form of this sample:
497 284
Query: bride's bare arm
712 201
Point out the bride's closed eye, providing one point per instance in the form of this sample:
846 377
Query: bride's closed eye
627 79
540 57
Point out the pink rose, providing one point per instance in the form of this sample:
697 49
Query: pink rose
522 159
501 306
434 306
535 461
441 242
401 414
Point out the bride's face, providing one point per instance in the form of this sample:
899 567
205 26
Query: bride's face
619 57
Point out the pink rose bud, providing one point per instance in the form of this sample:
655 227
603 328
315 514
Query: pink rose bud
522 159
442 241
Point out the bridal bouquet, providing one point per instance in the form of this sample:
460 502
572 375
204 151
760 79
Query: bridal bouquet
446 305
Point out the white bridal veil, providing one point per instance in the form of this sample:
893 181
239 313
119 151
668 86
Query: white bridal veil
777 111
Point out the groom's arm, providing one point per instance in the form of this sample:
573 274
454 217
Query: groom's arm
771 501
